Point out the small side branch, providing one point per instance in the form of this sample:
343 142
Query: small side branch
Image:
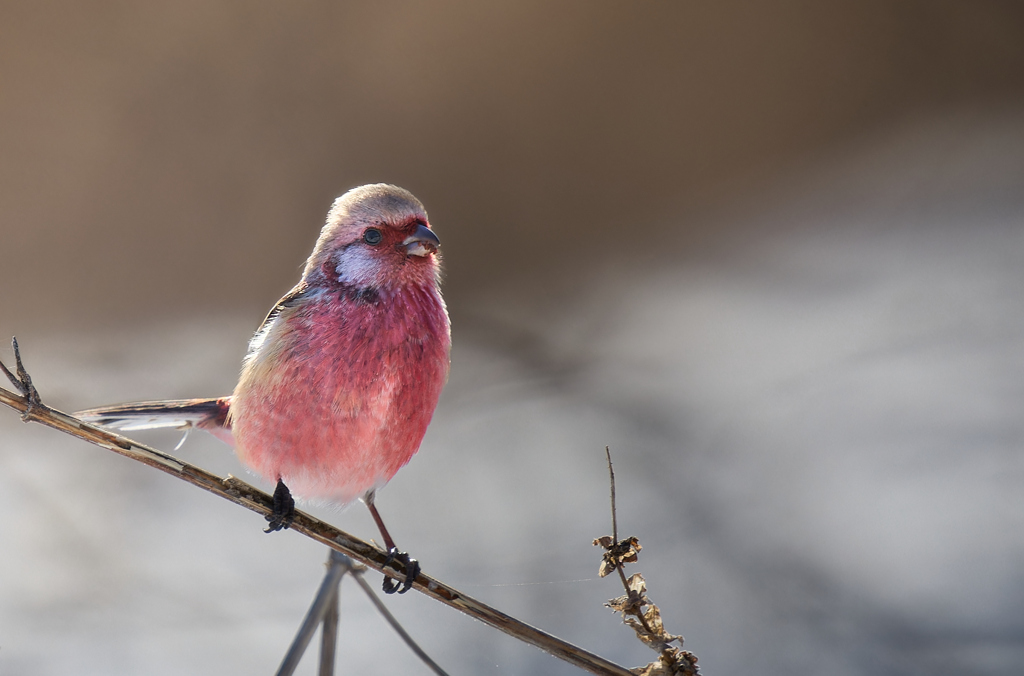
323 614
321 608
638 611
243 494
390 619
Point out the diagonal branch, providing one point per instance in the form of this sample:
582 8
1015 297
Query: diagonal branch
250 497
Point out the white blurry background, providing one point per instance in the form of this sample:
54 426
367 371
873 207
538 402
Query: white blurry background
774 259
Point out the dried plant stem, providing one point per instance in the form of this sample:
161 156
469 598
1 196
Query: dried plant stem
323 614
637 610
329 632
321 608
611 476
615 536
241 493
357 575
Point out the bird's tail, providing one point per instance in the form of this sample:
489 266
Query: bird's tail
206 414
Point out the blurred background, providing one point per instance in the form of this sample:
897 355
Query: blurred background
772 254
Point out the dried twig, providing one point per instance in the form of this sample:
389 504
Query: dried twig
329 630
322 608
357 574
638 611
241 493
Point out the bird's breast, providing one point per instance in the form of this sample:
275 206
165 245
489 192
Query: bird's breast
338 395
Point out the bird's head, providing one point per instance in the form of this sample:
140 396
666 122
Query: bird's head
376 237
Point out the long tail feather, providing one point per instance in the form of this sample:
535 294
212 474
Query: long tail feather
207 414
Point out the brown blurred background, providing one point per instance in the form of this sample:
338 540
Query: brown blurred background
160 159
772 253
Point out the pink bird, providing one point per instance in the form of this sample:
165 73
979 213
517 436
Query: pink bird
342 378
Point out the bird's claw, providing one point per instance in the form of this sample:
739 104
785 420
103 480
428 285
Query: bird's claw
284 509
23 381
412 570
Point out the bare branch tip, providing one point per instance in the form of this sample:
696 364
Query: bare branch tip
611 479
23 382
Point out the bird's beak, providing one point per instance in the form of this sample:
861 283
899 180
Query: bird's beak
421 242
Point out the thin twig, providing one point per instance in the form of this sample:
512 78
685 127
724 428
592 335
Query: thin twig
615 537
241 493
638 611
314 617
611 476
323 612
329 635
399 629
329 626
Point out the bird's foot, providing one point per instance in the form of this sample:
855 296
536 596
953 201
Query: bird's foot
412 570
23 382
284 509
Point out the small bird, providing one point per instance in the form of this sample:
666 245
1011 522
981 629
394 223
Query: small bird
341 380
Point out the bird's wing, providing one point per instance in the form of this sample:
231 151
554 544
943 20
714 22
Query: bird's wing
292 298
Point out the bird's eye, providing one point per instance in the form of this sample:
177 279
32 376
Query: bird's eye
372 236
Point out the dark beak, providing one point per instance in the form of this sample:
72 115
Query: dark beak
421 242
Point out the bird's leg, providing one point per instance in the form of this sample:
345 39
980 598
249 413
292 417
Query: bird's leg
411 565
284 509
